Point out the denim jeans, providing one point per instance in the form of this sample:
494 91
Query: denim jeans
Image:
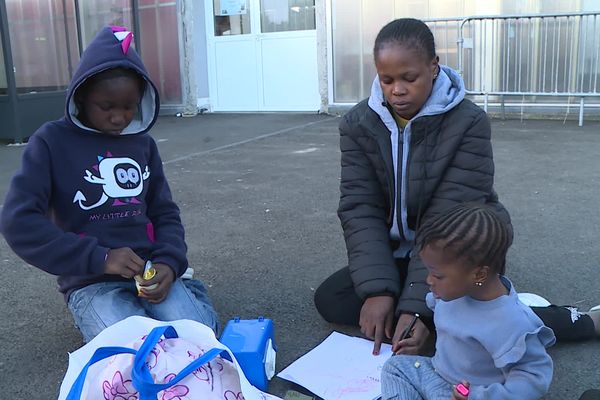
102 304
412 378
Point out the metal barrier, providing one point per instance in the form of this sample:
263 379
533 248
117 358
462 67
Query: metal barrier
554 55
446 33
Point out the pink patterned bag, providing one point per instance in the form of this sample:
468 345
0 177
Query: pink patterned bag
217 379
161 365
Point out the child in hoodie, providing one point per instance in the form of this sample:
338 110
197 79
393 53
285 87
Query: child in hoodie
92 205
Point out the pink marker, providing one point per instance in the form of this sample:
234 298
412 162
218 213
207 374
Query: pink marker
462 390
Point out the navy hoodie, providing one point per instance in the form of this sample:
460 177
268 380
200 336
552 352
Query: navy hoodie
80 193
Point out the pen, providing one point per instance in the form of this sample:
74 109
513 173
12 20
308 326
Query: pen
410 327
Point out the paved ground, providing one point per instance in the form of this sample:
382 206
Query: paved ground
258 195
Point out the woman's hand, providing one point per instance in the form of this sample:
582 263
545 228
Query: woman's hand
124 262
163 279
417 338
377 319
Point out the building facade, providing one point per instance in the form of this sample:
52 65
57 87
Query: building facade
280 55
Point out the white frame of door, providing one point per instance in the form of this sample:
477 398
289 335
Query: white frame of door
257 35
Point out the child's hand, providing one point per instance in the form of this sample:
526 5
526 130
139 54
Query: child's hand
416 340
164 279
458 396
123 262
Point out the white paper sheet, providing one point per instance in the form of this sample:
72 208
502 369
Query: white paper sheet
341 367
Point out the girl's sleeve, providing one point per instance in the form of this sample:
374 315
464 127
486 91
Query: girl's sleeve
526 379
169 245
28 229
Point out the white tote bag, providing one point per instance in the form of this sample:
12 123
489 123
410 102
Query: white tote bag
140 358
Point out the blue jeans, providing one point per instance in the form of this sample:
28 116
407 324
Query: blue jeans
403 379
102 304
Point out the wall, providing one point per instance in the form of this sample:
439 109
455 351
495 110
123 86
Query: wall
200 53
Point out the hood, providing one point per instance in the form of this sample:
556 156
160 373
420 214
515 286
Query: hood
110 49
447 92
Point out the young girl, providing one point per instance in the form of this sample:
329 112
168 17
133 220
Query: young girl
488 342
92 205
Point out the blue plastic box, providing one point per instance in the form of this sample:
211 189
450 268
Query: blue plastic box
252 341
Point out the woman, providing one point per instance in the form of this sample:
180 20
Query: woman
414 148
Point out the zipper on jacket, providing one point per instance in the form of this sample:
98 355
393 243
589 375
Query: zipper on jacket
408 159
391 188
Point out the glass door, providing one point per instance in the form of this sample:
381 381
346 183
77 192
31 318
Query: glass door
233 72
262 55
288 52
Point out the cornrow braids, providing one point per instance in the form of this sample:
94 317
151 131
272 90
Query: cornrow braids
410 32
470 233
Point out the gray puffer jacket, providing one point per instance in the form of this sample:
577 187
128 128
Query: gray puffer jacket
449 161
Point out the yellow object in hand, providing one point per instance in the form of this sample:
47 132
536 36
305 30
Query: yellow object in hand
149 273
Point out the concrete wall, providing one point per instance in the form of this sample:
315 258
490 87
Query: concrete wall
322 53
200 65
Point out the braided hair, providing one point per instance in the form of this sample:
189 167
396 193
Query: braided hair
409 32
472 234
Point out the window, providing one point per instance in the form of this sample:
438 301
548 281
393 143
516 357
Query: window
95 14
43 42
159 39
287 15
232 17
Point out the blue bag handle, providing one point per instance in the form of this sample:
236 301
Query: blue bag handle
141 377
99 354
140 374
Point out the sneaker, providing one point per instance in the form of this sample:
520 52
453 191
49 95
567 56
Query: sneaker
591 394
188 274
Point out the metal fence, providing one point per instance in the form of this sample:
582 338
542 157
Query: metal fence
530 56
446 32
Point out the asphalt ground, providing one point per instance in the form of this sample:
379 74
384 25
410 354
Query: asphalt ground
258 195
